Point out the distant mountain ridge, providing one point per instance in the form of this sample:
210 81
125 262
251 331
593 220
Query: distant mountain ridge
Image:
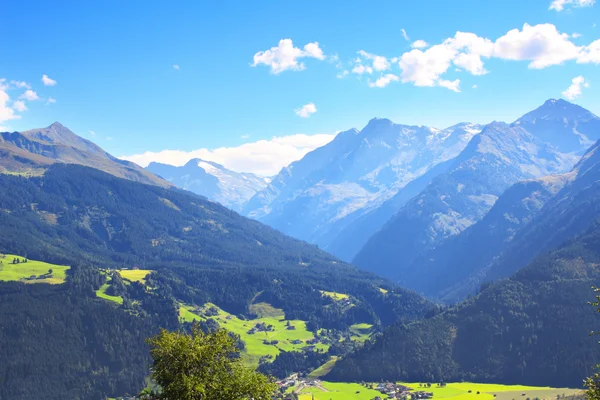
500 156
212 180
34 150
321 195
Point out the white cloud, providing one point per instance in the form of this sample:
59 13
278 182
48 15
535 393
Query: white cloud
286 57
6 113
92 133
541 44
576 35
474 87
590 53
244 136
20 84
175 66
559 5
384 80
342 74
263 157
29 95
306 110
51 100
419 44
360 69
451 85
405 35
47 81
380 63
19 105
574 90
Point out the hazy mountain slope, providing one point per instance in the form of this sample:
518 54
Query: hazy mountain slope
212 180
568 213
317 197
498 157
347 236
529 218
453 269
32 151
570 127
530 329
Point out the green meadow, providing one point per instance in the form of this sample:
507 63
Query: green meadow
255 348
128 275
452 391
24 270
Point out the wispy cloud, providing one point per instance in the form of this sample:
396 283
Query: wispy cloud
560 5
176 66
405 35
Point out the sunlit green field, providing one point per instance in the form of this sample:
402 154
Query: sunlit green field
334 295
134 275
362 331
21 271
102 294
255 348
452 391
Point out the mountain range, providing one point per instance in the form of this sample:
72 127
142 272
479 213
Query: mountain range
213 181
541 143
320 196
499 221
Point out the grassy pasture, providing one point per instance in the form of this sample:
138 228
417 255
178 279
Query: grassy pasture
362 331
134 275
21 271
334 295
255 348
102 294
452 391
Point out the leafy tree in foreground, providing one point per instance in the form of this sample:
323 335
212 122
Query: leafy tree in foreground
204 366
593 382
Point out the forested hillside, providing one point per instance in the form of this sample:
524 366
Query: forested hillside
530 329
199 253
60 341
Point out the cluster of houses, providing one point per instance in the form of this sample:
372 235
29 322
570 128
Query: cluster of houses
260 327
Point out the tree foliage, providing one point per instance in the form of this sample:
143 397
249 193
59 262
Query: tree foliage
204 366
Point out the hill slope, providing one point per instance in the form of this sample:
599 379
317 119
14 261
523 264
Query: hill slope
530 329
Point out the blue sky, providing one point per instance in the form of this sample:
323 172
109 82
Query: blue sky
112 62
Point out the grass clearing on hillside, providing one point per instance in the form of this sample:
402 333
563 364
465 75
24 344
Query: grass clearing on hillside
255 348
361 331
134 275
102 294
24 270
452 391
324 369
264 310
334 295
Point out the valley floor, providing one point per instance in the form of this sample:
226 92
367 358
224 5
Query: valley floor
321 390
